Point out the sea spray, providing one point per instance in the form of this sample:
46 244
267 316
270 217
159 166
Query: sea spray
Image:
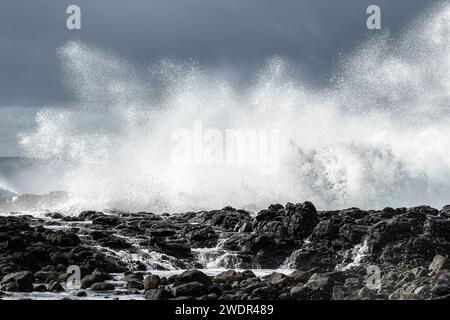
377 136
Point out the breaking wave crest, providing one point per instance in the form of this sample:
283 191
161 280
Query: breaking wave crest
378 135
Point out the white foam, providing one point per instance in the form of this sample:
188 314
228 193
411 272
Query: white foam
378 136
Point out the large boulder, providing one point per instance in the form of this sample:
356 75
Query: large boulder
90 215
157 294
400 227
294 221
437 227
176 247
275 278
152 282
17 281
193 276
201 236
300 219
62 239
415 251
161 230
95 277
231 276
318 287
227 219
102 286
55 286
439 263
352 233
114 242
327 229
190 289
107 221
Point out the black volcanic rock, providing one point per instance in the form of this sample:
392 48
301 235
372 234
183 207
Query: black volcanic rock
401 227
300 219
227 219
177 247
18 281
330 250
193 276
90 215
110 221
114 243
437 227
157 294
276 233
352 233
231 276
318 287
55 286
201 236
445 211
328 229
152 282
295 221
161 230
62 239
32 248
190 289
102 286
90 279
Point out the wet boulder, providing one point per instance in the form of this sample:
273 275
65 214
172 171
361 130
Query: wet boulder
275 278
445 211
266 292
114 242
161 230
327 229
437 227
231 276
189 289
201 236
135 284
157 294
300 219
102 286
62 239
107 221
294 221
17 281
193 276
152 282
55 286
352 233
174 246
94 277
90 215
439 263
401 227
227 219
318 287
415 251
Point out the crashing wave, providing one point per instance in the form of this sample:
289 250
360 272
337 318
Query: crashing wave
377 136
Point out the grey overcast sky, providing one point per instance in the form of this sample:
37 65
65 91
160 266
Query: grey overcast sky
242 33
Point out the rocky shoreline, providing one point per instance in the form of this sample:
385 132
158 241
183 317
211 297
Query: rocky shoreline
340 255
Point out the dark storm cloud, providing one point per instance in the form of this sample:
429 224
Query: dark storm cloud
238 32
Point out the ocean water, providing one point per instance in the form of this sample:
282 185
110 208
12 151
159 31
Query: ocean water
377 135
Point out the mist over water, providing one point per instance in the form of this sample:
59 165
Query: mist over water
377 136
